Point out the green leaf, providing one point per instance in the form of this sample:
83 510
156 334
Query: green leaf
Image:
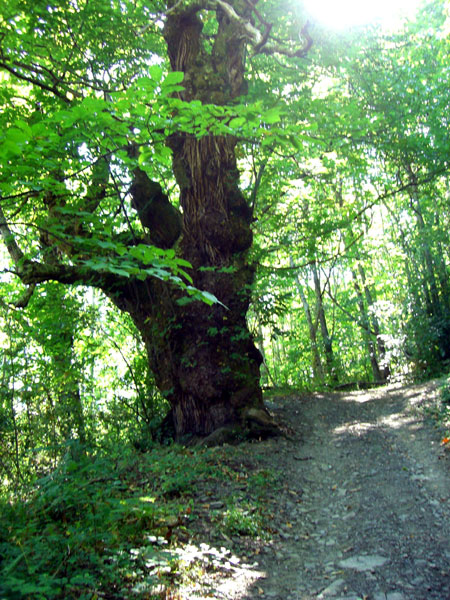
145 83
17 136
271 116
118 271
184 300
184 263
237 122
155 72
24 127
185 275
209 298
173 77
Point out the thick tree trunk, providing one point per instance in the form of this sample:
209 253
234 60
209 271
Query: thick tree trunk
203 358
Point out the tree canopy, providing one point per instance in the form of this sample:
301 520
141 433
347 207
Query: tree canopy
200 199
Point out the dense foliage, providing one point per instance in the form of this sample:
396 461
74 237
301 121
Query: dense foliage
106 318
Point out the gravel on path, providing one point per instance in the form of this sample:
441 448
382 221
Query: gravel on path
364 512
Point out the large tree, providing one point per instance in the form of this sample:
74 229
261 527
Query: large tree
108 108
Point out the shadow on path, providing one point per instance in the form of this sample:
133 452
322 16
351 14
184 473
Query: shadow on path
365 514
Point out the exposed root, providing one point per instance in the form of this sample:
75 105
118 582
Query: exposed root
256 424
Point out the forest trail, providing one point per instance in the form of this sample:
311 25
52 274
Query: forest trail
364 512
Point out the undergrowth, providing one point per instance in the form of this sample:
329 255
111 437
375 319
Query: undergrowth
444 408
108 525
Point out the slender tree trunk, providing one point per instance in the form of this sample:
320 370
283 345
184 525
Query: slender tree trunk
443 278
425 248
260 344
415 281
326 338
371 349
441 267
312 329
381 346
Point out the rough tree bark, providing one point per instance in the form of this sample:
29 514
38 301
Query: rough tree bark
203 358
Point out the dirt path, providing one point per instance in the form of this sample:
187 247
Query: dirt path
365 510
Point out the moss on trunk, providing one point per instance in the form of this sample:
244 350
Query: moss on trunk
204 358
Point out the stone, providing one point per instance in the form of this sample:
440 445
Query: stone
332 589
420 563
395 596
363 562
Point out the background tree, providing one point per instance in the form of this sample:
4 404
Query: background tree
347 202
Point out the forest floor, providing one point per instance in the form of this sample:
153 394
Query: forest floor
361 510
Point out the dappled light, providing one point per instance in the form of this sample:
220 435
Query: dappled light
236 577
354 428
394 416
224 300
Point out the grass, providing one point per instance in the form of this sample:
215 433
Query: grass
112 525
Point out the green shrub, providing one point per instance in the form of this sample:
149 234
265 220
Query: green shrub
96 524
242 521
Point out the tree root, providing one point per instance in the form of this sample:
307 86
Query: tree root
257 424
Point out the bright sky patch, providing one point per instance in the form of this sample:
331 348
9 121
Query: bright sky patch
347 13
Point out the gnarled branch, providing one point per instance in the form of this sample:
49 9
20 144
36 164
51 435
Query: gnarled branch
32 272
260 41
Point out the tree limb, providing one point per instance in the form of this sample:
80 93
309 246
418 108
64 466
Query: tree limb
11 245
33 272
53 90
23 301
260 41
349 314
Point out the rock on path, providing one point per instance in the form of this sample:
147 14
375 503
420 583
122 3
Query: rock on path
365 514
